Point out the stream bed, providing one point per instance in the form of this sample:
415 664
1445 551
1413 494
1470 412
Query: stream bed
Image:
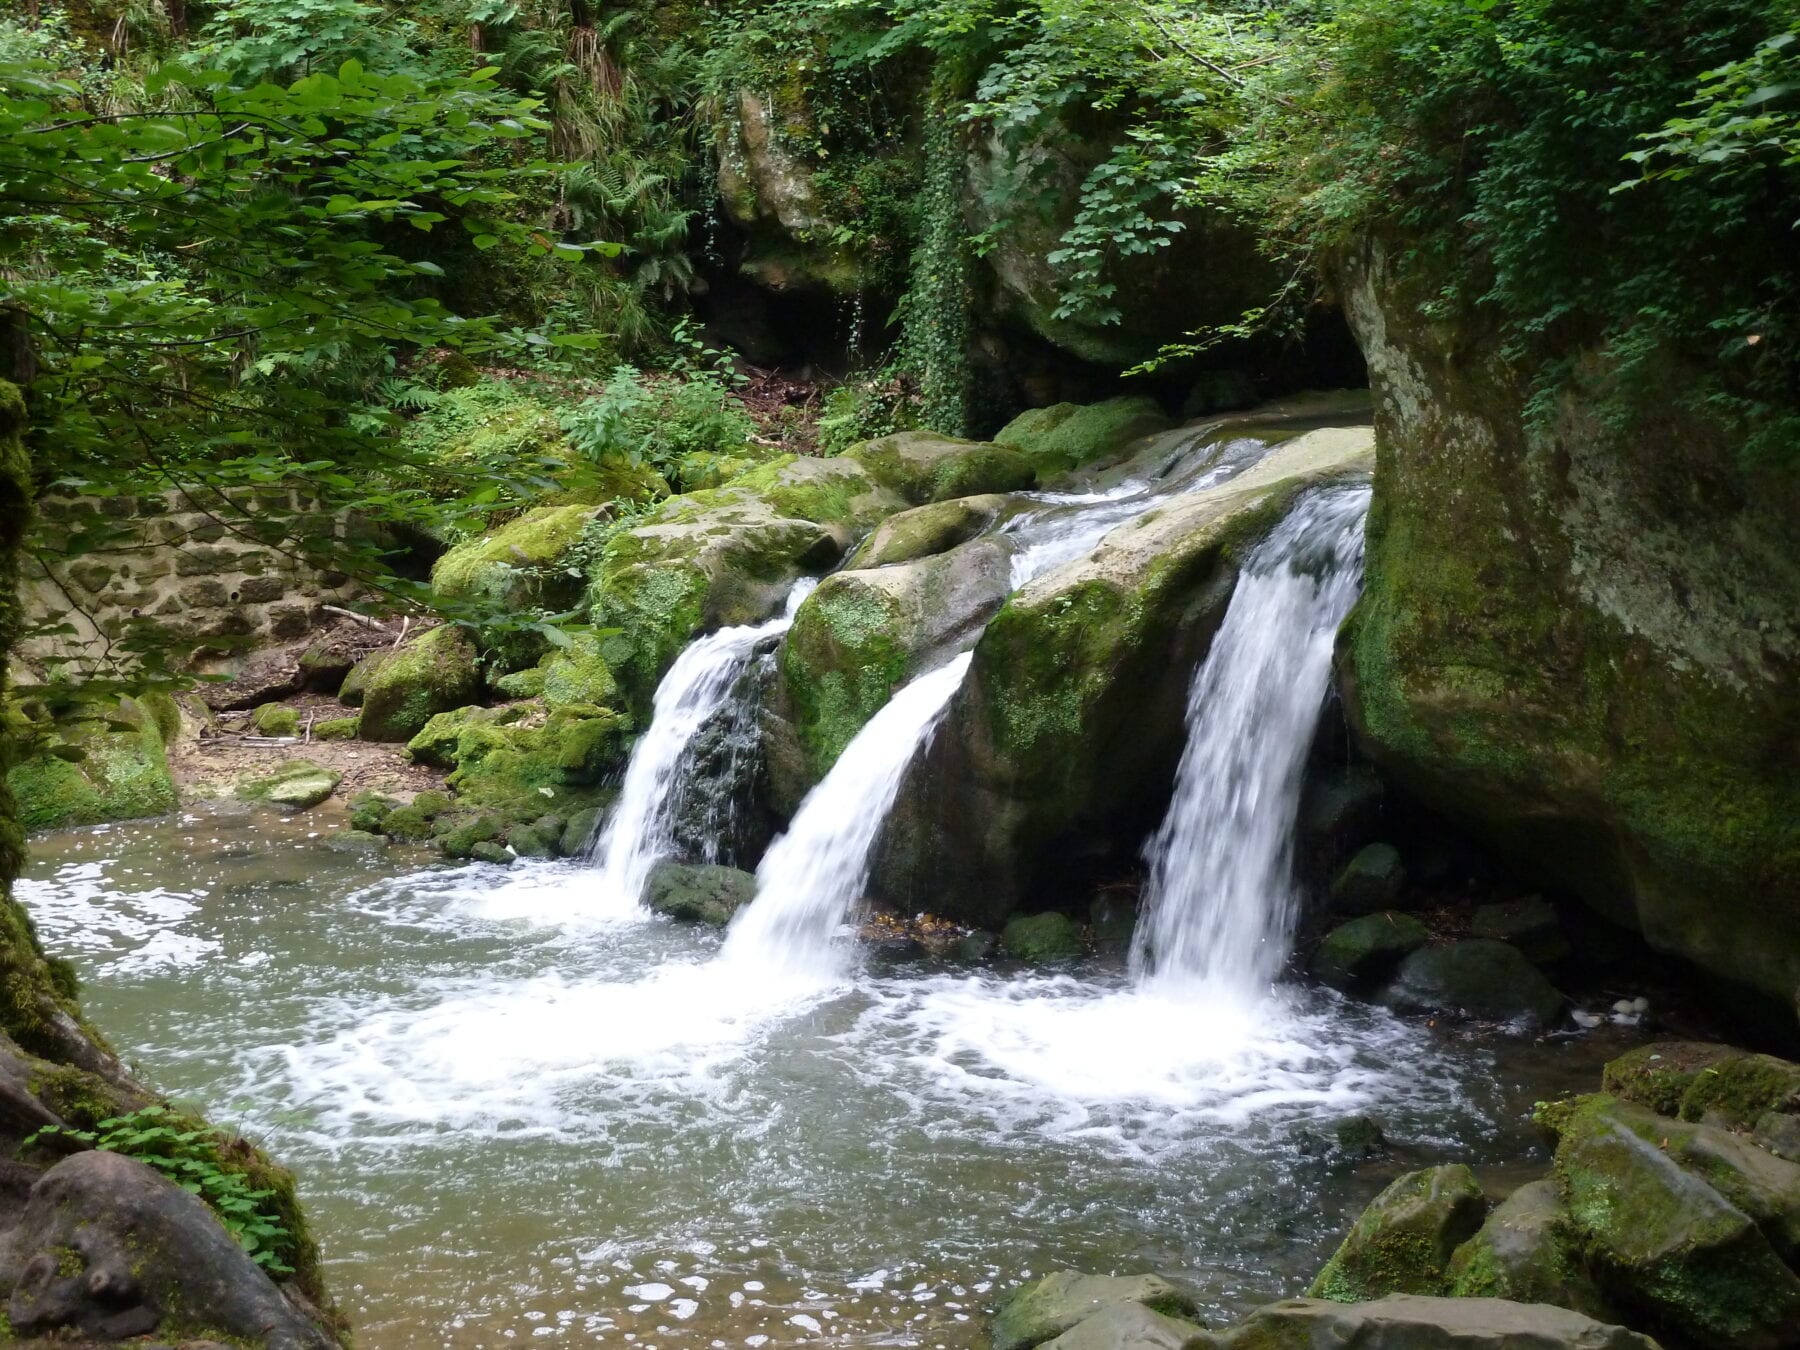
513 1125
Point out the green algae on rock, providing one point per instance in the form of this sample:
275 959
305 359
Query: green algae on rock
1039 938
107 765
1526 1251
1366 950
1070 435
521 564
1055 1304
936 527
433 673
1402 1243
296 783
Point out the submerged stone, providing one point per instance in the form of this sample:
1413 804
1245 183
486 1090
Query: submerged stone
1402 1243
1476 978
1059 1302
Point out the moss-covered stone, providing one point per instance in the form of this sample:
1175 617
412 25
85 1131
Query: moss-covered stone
528 841
337 729
1068 435
923 531
922 466
1366 950
527 683
118 769
1402 1243
433 673
519 566
276 719
1371 881
1038 1312
1530 925
578 673
1041 937
1676 1220
1476 978
1658 1075
1577 639
579 832
1526 1251
370 809
298 784
350 692
693 893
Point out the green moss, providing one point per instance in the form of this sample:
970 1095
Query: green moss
655 609
578 673
1068 436
433 673
1738 1091
528 683
519 565
840 664
923 467
1403 1242
1041 937
276 719
1658 1075
369 810
123 774
337 729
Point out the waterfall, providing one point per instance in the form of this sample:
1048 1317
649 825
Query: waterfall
813 876
640 831
1220 904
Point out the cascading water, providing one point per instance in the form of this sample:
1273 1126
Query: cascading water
640 830
1220 903
812 877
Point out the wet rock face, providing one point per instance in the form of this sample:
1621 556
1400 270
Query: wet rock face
1408 1322
1059 1302
1477 978
1403 1242
108 1248
1582 646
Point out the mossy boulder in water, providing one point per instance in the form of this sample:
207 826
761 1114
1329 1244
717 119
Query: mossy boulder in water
925 530
1040 938
1069 435
863 634
106 763
1577 639
433 673
1684 1224
1403 1242
1477 978
1366 950
1057 1303
1526 1251
698 892
1063 739
1131 1326
1415 1322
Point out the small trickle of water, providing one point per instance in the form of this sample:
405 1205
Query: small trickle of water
813 876
1220 905
640 831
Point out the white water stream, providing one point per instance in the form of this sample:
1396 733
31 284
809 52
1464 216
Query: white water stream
1219 909
640 831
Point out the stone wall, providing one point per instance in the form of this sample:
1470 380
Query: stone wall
201 577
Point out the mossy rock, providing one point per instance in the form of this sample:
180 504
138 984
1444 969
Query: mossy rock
120 772
1370 882
433 673
1526 1251
578 673
1402 1243
1366 950
1476 978
1417 1322
1130 1326
470 829
1737 1092
337 729
922 466
528 841
519 566
350 692
369 809
1039 1312
527 683
297 784
1040 938
360 843
1530 925
701 469
276 719
1069 436
1682 1223
923 531
579 832
698 893
1658 1075
487 851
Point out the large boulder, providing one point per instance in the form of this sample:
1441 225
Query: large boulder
1053 1305
1070 435
1365 950
433 673
1402 1243
1026 195
1684 1224
924 467
1526 1251
863 634
698 892
925 530
1477 978
727 555
1131 1326
296 784
108 1248
1410 1322
520 565
1370 881
1063 739
108 761
1582 642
